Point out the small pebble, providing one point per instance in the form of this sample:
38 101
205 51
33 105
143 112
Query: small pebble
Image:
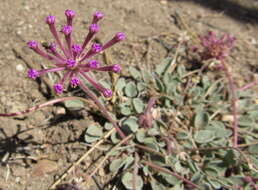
60 111
20 68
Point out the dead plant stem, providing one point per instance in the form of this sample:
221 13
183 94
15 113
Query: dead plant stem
71 168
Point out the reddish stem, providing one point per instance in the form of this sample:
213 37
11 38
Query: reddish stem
248 85
103 109
34 108
232 89
145 119
156 167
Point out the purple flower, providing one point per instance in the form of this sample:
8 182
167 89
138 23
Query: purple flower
96 48
94 28
50 19
73 60
33 73
107 93
214 47
67 29
116 68
76 48
58 88
70 63
32 44
52 47
74 81
97 16
92 64
69 13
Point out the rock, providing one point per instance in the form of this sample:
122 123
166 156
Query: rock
20 68
44 167
59 111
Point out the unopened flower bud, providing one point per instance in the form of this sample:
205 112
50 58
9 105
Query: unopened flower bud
93 28
119 36
69 13
33 74
76 48
58 88
96 48
67 29
50 19
74 81
92 64
116 68
97 16
32 44
70 63
107 93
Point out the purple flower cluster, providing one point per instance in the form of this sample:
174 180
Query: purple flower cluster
214 47
72 59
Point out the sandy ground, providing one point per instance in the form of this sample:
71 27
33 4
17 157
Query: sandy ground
33 149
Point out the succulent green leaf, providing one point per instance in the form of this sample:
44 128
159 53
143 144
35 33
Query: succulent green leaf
170 179
125 109
151 142
231 157
140 135
204 136
245 121
159 85
161 68
131 123
181 70
201 119
182 136
116 165
127 181
135 73
141 86
253 149
131 90
156 185
197 177
93 133
219 129
108 126
154 130
147 77
128 161
120 85
74 104
138 105
114 138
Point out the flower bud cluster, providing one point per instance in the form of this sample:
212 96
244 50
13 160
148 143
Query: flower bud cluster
72 59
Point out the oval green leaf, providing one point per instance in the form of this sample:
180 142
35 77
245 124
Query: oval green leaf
204 136
131 90
127 181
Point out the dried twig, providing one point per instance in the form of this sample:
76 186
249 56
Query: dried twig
71 168
135 170
108 154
